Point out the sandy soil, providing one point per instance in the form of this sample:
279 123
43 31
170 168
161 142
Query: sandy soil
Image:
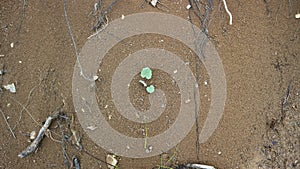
260 54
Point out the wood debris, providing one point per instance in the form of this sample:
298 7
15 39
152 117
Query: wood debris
34 145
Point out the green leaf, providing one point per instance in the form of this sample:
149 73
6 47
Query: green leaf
146 73
150 89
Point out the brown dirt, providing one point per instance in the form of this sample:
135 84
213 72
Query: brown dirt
260 54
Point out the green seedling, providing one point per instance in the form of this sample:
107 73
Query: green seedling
150 89
146 73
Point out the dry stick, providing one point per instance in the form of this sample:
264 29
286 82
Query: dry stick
228 12
34 145
206 20
89 154
290 7
80 148
101 20
195 99
198 5
74 43
25 106
76 162
284 101
27 111
203 22
4 117
288 93
99 30
22 17
63 144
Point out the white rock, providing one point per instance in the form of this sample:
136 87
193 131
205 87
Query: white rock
10 87
297 16
110 159
188 6
122 17
11 45
32 135
149 149
95 77
154 2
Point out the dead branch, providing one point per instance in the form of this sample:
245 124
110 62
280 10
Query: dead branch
34 145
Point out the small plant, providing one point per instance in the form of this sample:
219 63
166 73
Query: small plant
150 89
146 73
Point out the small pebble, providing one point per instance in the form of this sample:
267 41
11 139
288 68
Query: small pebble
10 87
12 45
32 135
154 2
95 78
188 6
110 159
122 17
149 149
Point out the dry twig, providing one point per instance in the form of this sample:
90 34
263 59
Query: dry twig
74 43
76 163
22 16
24 106
4 117
103 17
27 111
34 145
